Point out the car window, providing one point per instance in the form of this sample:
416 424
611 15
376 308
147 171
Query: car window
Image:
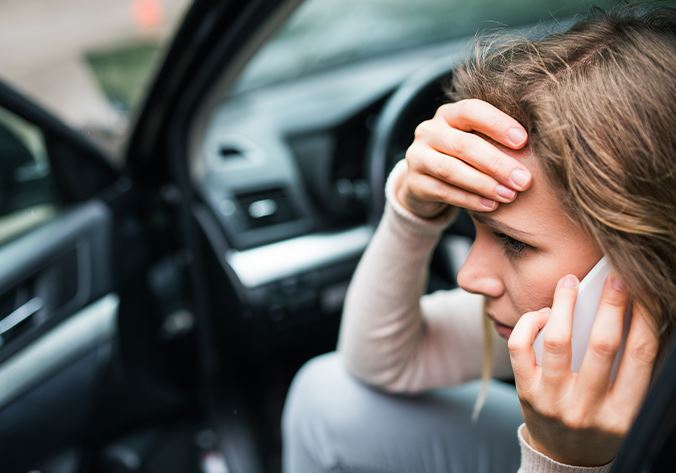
326 33
27 194
87 61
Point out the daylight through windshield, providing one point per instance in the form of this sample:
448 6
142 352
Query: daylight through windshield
326 33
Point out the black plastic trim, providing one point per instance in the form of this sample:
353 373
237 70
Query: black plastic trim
85 229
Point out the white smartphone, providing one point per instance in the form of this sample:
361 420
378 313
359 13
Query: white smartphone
586 305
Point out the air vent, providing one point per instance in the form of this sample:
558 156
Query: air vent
230 153
266 207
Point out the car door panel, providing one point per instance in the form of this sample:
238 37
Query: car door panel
58 322
53 270
54 412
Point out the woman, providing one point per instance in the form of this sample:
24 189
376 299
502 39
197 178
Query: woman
563 151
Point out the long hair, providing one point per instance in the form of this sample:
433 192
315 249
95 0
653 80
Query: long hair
599 104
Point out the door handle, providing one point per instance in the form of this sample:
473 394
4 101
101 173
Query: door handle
21 313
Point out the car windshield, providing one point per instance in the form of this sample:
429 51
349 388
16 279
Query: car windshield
326 33
87 61
91 61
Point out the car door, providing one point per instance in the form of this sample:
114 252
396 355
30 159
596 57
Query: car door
75 316
79 349
58 306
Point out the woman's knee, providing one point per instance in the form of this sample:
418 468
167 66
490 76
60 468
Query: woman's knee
332 421
316 393
313 421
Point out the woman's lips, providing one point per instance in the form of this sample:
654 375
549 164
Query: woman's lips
503 330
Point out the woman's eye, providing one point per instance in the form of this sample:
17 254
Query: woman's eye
511 246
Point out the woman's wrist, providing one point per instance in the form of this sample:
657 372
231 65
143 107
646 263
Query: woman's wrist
534 460
407 219
528 439
426 210
567 451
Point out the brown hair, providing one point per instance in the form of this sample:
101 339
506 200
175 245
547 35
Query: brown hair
599 104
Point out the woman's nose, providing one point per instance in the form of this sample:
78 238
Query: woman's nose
479 274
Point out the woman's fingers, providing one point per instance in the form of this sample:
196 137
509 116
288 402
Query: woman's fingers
480 154
638 359
604 341
556 355
459 149
428 188
520 345
459 174
477 115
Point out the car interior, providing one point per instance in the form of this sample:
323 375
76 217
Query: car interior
155 310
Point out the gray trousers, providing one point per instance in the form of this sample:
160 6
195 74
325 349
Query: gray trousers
333 423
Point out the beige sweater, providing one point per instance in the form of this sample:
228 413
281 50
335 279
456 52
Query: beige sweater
395 337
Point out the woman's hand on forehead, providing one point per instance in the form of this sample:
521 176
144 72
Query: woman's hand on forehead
581 418
456 159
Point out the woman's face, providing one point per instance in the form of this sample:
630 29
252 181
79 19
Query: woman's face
522 249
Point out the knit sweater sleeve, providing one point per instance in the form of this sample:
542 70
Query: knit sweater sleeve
394 337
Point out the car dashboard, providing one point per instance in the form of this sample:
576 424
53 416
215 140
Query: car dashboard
283 171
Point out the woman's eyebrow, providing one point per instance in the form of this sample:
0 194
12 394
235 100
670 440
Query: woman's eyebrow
498 225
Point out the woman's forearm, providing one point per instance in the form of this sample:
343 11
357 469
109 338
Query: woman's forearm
392 338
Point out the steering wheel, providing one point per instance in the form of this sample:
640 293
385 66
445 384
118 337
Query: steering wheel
416 100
